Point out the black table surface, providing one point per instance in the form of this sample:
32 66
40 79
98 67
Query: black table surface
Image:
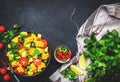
57 20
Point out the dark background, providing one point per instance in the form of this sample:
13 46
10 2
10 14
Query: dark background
54 19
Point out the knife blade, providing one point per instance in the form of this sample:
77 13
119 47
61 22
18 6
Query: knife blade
8 67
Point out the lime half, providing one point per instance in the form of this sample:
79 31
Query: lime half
76 69
82 62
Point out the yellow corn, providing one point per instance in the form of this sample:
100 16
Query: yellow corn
45 55
28 40
39 43
34 36
15 64
15 39
31 51
9 46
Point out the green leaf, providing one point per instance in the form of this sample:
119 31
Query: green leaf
114 32
87 41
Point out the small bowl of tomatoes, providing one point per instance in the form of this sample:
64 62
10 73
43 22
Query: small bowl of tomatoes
62 54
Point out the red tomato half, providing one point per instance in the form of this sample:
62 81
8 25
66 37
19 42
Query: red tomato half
37 61
2 28
23 61
45 43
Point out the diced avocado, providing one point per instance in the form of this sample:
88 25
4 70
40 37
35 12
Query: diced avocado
29 73
17 57
30 59
45 60
23 34
36 53
32 44
11 57
28 67
24 54
46 49
27 45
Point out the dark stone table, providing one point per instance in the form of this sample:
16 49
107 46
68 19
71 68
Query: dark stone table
57 20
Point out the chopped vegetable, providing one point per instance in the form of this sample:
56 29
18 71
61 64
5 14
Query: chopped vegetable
37 61
23 61
20 70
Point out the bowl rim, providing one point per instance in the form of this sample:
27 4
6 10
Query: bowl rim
56 57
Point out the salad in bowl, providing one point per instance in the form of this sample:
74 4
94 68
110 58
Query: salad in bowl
28 53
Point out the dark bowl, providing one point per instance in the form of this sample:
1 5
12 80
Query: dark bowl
46 64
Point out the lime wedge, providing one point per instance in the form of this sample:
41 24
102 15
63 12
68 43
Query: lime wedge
76 69
83 62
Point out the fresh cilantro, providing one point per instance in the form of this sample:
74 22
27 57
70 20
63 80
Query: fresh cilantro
105 57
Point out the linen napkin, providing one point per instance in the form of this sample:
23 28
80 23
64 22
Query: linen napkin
106 17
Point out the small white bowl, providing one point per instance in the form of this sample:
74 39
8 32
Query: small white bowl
66 54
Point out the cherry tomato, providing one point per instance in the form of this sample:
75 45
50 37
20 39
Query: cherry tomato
1 45
68 55
59 58
59 53
37 61
63 57
2 28
23 61
45 43
6 77
3 71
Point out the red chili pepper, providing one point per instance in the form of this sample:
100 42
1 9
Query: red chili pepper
20 44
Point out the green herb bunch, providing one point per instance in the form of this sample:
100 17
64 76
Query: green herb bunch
9 34
105 57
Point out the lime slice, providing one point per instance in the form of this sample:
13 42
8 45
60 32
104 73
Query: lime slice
83 62
76 69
